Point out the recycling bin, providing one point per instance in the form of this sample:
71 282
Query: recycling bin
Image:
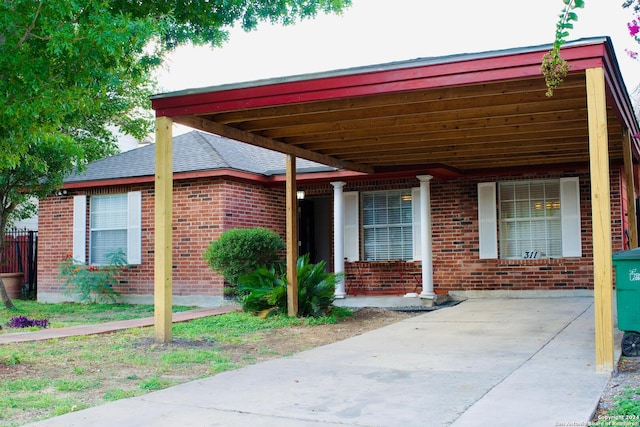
627 265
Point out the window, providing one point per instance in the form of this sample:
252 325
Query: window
387 223
108 221
535 219
530 226
114 224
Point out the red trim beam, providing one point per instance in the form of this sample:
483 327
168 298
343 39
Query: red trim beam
484 69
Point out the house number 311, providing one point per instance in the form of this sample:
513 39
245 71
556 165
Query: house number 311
531 255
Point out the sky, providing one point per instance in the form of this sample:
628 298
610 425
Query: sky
373 32
380 31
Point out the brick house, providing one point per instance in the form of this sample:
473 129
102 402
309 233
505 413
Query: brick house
443 175
222 184
471 216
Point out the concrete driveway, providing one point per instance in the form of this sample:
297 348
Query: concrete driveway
484 362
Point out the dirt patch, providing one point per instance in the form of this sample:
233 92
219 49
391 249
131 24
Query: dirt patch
287 341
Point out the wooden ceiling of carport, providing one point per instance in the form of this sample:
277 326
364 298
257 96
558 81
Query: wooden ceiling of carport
456 117
507 124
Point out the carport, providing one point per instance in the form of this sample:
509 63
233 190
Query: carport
446 117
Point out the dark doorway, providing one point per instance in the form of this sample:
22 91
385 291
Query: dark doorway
306 234
314 229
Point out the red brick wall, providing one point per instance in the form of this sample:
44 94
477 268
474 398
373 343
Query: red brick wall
456 263
55 239
203 209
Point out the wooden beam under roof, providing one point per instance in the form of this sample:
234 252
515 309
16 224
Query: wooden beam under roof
440 100
270 144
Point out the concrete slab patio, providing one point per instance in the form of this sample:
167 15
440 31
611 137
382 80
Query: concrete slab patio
489 362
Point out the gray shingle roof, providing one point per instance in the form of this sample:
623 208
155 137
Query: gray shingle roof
195 151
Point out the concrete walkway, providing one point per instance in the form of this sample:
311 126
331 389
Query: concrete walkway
507 362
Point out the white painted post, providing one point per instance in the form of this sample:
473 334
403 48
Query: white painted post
425 241
338 236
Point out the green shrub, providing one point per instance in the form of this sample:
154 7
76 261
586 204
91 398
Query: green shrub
241 251
265 289
92 283
316 288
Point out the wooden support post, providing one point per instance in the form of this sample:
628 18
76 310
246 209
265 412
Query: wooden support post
163 229
631 193
292 237
601 219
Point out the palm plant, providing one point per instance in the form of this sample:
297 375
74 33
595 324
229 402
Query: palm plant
265 289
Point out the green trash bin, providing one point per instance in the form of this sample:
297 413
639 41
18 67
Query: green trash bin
627 265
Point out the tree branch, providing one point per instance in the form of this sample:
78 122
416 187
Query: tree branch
31 26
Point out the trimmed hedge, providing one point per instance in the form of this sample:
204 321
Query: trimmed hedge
242 250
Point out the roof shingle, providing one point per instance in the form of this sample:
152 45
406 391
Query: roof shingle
194 151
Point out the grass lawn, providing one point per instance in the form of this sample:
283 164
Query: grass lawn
43 379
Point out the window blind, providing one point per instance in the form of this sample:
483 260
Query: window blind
387 219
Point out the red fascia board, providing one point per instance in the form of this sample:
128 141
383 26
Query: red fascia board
471 71
318 177
222 173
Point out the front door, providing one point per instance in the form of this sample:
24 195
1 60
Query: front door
314 229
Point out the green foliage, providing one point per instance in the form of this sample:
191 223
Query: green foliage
154 382
336 314
627 405
70 69
118 393
229 328
242 250
266 290
92 283
554 68
316 288
71 385
72 72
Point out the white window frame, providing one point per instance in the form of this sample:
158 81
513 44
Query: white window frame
570 219
133 228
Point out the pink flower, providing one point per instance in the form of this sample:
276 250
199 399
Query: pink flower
633 28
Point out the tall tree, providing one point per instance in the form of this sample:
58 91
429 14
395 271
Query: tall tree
70 71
